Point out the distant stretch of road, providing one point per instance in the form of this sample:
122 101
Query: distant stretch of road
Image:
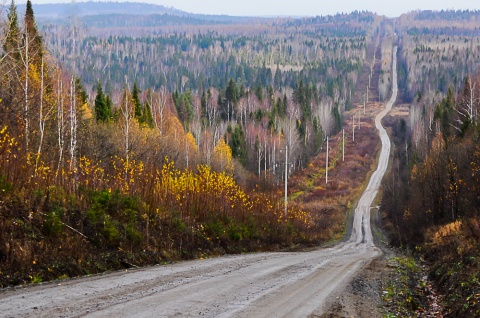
253 285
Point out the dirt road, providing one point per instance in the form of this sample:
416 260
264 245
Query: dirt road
254 285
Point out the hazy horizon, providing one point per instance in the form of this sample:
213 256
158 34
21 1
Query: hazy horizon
298 7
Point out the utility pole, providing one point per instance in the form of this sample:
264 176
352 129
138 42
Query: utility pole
326 165
353 126
364 102
359 121
286 180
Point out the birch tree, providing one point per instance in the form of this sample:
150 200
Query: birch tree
467 108
31 54
44 113
60 123
127 114
158 102
73 126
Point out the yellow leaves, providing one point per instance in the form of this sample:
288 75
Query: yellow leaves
7 142
452 165
86 111
34 74
91 173
85 165
204 189
43 170
223 155
415 172
174 126
447 232
438 144
190 142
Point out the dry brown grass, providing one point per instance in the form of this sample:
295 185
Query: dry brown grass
330 203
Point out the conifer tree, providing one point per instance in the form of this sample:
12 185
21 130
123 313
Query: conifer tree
12 33
278 78
103 111
147 117
31 31
136 102
284 105
239 146
232 92
259 92
9 60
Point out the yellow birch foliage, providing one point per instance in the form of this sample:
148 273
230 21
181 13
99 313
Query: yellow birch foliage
125 174
191 143
206 193
174 127
9 148
91 174
191 148
222 155
201 192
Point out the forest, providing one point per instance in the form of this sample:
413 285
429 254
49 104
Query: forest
139 140
430 200
227 80
134 149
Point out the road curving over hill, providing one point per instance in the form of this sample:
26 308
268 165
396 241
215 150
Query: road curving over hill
252 285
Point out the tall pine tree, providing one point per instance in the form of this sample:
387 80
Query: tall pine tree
31 31
136 102
10 60
12 33
103 111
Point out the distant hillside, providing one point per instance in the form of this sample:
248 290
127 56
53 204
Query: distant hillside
130 11
63 10
109 21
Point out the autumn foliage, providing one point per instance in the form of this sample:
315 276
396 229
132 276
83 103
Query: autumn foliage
96 178
118 183
431 199
128 213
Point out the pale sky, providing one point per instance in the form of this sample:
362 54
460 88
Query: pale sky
303 7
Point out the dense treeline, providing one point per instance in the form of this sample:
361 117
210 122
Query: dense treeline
437 180
433 63
136 21
448 15
260 87
431 195
430 65
197 60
